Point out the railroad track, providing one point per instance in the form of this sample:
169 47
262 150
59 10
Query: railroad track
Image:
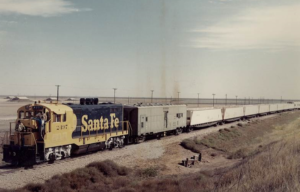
7 168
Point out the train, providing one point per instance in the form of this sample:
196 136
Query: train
49 131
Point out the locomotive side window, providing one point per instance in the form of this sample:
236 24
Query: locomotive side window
56 117
27 114
21 114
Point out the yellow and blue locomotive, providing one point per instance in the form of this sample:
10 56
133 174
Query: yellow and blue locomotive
50 131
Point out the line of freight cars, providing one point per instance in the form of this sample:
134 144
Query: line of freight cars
52 131
212 116
158 120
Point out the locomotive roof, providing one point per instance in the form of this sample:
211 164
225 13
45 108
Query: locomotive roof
58 108
147 105
93 106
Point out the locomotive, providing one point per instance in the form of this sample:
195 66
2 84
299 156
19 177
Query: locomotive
63 130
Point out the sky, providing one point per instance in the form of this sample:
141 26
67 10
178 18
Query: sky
244 48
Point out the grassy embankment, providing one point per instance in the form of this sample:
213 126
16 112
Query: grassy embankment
270 150
270 153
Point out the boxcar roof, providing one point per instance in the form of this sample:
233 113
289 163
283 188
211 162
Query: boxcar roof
151 106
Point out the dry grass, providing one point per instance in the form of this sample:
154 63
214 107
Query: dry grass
97 176
277 168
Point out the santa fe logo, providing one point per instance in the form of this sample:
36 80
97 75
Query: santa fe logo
97 124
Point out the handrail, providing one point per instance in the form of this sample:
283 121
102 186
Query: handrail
34 142
5 140
10 123
129 125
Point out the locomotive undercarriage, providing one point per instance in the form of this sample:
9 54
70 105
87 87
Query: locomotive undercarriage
57 153
115 142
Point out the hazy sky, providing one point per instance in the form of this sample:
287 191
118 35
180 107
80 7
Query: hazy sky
248 48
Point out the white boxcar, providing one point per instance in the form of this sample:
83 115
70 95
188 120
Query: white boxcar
250 110
263 109
280 106
286 106
146 119
290 106
273 108
200 117
233 113
297 105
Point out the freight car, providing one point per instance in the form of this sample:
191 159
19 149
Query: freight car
148 120
197 118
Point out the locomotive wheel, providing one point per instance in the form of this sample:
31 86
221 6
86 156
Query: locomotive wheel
143 138
111 146
189 129
158 136
178 131
51 158
136 140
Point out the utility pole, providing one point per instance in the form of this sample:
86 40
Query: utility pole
57 92
114 94
226 100
213 99
178 97
198 99
236 100
152 96
128 100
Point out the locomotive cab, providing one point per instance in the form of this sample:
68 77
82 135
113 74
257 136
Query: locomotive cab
27 139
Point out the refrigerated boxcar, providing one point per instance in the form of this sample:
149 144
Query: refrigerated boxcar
232 113
147 120
205 117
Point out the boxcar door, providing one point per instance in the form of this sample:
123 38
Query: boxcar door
166 118
143 121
